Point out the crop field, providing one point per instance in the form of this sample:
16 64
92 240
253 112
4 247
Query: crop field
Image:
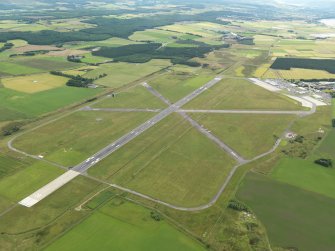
296 73
304 48
160 161
47 63
111 42
11 68
124 226
160 36
175 85
307 175
24 105
290 214
34 83
119 74
241 94
135 97
70 140
249 135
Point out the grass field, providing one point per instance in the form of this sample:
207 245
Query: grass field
241 94
249 135
47 63
136 97
9 68
111 42
297 74
291 215
175 85
307 175
18 105
327 147
47 219
26 181
124 226
70 140
34 83
161 161
160 36
119 74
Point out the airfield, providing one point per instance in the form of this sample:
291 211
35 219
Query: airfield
158 153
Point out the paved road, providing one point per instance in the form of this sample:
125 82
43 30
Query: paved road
84 166
157 94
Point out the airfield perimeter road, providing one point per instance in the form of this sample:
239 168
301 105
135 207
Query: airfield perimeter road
83 167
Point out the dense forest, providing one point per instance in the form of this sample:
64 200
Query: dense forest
304 63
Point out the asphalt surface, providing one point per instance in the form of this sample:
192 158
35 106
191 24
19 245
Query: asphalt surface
88 108
247 112
84 166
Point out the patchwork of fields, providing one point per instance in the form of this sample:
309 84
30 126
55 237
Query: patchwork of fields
196 159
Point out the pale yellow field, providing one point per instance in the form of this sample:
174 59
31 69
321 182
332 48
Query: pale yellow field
262 70
34 83
298 74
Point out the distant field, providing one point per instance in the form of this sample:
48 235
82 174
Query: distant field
175 85
34 83
290 214
136 97
241 94
119 74
124 226
160 36
296 73
26 105
11 68
70 140
161 161
111 42
249 135
48 63
307 175
304 63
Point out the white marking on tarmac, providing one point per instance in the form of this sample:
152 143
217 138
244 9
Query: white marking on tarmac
48 189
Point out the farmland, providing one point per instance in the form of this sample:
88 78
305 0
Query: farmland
122 220
135 125
34 83
288 213
119 74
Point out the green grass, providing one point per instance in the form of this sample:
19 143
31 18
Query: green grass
175 85
119 74
293 217
307 175
47 63
47 216
327 147
20 105
70 140
124 226
171 161
241 94
9 165
26 181
249 135
136 97
11 68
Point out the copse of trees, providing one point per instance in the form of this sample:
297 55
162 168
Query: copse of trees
142 53
238 206
6 46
